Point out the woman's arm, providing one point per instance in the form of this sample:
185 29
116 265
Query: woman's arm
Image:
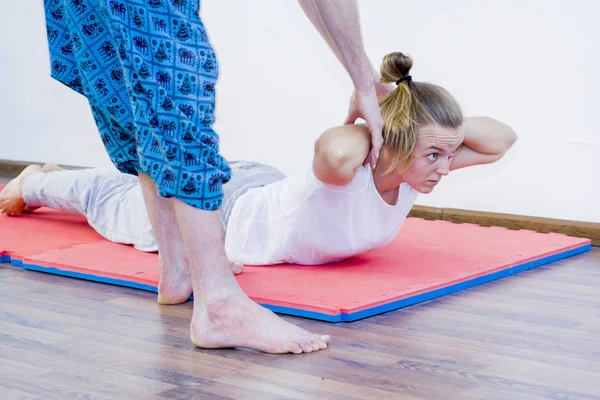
486 141
339 152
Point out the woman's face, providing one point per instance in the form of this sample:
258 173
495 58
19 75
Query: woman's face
433 154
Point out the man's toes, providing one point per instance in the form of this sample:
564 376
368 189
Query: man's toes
314 344
321 341
294 348
308 346
313 347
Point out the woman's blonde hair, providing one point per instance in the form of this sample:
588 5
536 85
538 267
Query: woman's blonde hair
410 105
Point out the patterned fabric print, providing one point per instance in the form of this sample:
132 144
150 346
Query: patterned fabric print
149 73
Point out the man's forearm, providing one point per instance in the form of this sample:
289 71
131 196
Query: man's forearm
338 23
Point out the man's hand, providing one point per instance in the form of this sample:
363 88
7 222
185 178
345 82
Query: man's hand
363 104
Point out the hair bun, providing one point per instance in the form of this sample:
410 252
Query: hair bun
395 66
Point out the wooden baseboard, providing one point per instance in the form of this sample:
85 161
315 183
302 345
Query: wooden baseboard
8 167
429 213
12 167
588 230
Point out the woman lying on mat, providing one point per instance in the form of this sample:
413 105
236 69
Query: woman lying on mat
333 210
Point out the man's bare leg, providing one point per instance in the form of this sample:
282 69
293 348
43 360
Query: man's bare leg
175 285
223 315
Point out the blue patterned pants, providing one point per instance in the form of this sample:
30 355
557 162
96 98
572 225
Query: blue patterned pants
149 73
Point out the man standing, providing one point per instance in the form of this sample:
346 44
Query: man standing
148 71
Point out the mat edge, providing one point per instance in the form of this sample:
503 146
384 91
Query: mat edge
463 285
370 312
584 243
342 316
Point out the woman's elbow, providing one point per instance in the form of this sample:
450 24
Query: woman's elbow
508 139
330 162
511 137
504 136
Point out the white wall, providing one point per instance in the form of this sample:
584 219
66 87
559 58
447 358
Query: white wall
532 64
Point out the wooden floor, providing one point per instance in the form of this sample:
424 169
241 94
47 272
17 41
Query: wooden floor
531 336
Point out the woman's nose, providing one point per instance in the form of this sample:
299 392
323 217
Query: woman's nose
444 167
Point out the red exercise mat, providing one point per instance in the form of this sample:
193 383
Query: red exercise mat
426 260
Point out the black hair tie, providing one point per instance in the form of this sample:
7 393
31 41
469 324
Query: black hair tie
407 78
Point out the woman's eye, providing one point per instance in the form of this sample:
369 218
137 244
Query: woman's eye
433 156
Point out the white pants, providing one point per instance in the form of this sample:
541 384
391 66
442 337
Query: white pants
111 201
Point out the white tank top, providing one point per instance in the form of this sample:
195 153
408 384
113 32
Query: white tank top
302 220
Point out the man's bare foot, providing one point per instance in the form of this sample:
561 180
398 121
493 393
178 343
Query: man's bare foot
175 285
11 198
237 321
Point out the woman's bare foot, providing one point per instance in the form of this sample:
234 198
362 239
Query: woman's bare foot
237 321
237 268
48 167
11 198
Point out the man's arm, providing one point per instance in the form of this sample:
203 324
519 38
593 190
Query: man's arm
314 15
338 23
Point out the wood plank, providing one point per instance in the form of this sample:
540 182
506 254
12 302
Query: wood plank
22 388
61 386
72 364
14 394
588 230
30 333
18 370
541 374
10 167
265 377
534 335
215 390
428 213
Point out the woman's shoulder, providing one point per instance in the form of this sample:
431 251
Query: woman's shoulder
360 181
